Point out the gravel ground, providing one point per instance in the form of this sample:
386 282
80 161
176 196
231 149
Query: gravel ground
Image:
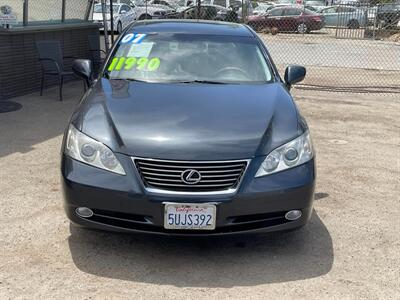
349 250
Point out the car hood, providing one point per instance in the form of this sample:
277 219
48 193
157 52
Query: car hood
188 121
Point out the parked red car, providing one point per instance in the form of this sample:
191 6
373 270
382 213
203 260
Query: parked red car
287 18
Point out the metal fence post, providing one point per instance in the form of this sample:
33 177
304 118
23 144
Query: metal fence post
198 9
88 9
63 11
112 21
243 13
105 25
25 13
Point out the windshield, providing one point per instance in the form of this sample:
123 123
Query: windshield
139 2
262 6
97 8
185 57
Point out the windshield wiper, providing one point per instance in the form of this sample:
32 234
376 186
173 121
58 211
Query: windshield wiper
200 81
129 79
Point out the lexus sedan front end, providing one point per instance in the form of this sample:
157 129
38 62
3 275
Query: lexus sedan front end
188 130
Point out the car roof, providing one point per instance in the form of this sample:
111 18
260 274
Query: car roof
114 4
192 27
207 5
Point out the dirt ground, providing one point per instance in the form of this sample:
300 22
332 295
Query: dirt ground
349 250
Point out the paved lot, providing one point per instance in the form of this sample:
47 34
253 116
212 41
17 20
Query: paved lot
349 250
323 49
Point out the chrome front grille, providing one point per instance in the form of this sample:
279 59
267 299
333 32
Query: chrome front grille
169 176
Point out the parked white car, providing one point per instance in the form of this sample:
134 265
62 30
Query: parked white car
145 10
123 15
232 3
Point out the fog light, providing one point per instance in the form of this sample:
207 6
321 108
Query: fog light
293 215
84 212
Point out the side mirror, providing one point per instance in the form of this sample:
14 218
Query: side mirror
294 74
83 69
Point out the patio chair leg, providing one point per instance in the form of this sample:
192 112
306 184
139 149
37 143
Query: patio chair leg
41 85
61 87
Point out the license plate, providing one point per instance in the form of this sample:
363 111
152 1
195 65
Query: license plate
189 216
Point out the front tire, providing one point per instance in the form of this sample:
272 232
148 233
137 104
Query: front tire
353 24
302 28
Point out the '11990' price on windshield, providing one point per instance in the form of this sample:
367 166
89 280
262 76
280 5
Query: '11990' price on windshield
136 63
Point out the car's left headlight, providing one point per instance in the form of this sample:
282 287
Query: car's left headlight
292 154
89 151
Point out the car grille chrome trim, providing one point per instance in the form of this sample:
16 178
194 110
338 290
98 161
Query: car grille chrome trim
217 177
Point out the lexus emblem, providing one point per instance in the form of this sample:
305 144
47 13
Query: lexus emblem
191 176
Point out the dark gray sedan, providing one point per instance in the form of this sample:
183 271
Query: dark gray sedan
188 130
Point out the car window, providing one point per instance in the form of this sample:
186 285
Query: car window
191 12
210 12
98 8
330 10
309 12
342 9
220 2
292 12
276 12
125 8
236 3
186 57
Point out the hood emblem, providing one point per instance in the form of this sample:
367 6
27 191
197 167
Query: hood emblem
191 176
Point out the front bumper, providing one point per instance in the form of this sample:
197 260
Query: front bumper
120 203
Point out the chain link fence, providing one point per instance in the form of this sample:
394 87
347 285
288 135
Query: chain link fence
39 12
352 45
348 46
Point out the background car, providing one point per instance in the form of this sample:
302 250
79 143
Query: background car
173 5
388 15
262 7
185 3
207 12
344 16
230 4
145 10
123 16
317 5
289 19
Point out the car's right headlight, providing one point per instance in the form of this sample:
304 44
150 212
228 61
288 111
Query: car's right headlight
292 154
89 151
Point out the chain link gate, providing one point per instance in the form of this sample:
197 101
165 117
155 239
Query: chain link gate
350 46
346 47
